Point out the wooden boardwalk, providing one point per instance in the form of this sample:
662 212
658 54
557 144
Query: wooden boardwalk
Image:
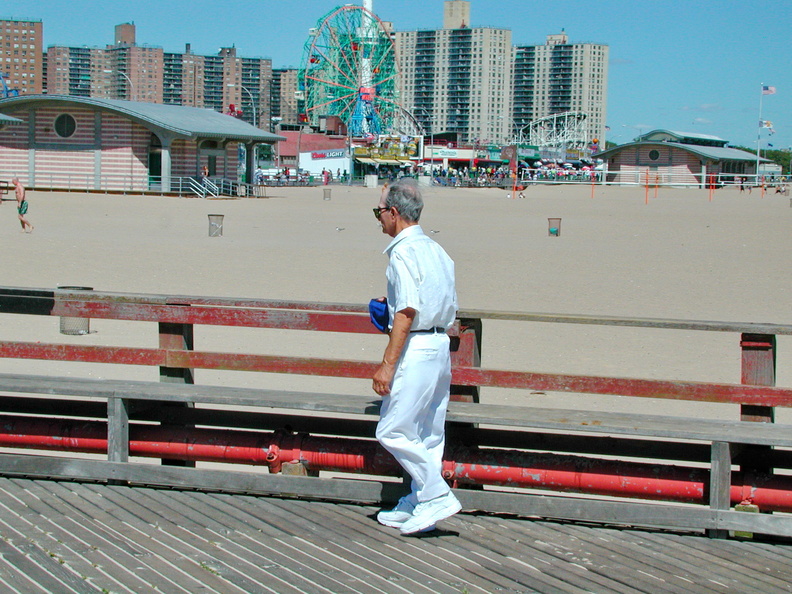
70 537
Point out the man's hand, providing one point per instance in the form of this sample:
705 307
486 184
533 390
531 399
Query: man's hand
383 378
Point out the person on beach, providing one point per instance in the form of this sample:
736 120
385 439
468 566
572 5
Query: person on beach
414 378
22 205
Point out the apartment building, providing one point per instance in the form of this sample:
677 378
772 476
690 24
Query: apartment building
473 82
127 71
284 96
458 79
560 77
21 55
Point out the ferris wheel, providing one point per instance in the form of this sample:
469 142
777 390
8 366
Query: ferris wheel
349 70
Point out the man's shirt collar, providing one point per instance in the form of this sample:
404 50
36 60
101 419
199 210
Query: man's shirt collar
405 233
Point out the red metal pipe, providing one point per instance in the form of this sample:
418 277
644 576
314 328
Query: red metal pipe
462 465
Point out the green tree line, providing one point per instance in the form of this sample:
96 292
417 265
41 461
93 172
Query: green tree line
779 156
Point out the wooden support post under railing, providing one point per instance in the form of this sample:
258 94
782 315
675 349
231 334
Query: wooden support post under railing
466 352
720 483
758 368
177 337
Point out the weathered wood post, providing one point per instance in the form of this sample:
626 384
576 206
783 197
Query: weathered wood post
465 352
177 337
758 368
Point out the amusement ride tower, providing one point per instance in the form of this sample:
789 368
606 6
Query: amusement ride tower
349 71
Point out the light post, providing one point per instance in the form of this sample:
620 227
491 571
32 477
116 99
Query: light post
129 80
790 161
638 127
431 141
252 104
276 122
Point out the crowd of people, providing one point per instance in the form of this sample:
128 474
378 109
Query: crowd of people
498 176
480 176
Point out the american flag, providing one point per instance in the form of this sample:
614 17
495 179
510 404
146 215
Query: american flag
768 90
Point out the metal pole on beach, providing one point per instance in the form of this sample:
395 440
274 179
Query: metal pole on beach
759 130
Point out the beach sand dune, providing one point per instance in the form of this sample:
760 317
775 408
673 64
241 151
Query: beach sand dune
681 256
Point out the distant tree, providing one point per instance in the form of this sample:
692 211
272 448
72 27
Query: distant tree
779 156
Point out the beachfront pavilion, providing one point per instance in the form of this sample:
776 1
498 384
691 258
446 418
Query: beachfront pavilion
81 143
669 157
9 121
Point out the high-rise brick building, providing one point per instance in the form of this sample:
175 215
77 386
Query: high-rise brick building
458 79
125 70
21 55
560 77
471 81
285 98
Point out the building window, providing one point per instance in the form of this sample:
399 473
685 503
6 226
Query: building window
654 155
65 125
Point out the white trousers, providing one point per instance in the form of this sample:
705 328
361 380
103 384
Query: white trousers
412 418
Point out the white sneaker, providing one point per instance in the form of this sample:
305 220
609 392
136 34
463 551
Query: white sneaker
426 514
398 515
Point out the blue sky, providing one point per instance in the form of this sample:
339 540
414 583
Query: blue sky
687 65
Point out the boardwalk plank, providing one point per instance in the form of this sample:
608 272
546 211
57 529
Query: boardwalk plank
671 577
131 539
171 569
384 551
265 559
119 543
676 568
13 581
564 564
708 569
197 556
41 569
460 573
425 555
752 565
437 550
358 560
661 575
574 542
528 575
59 532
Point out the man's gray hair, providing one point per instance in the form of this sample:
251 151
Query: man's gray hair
406 197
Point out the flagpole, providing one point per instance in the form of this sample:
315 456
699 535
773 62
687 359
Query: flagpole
759 131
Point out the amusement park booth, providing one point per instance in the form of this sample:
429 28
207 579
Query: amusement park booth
67 142
666 157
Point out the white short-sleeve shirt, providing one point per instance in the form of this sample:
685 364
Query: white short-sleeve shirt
421 276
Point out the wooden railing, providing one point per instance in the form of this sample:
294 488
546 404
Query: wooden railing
757 447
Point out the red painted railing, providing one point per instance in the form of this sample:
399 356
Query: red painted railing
177 315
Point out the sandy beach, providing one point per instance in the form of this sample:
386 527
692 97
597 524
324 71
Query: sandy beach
681 256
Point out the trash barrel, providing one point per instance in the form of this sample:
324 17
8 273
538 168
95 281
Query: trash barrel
553 227
75 326
326 193
215 225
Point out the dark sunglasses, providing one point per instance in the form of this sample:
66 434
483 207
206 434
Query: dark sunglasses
378 211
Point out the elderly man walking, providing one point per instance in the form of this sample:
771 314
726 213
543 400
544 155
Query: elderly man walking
414 377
